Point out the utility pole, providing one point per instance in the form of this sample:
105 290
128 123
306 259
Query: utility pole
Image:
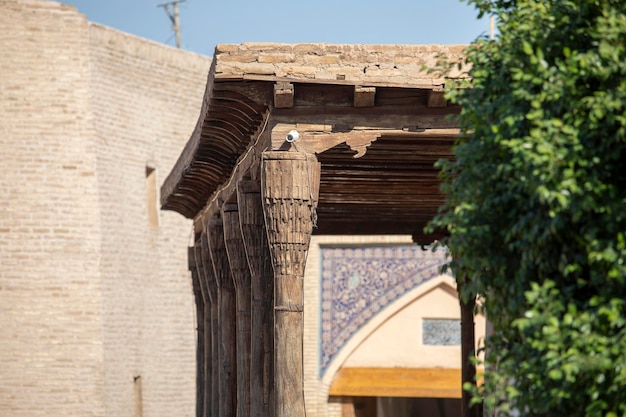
171 8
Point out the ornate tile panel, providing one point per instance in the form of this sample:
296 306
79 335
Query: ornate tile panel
441 332
359 282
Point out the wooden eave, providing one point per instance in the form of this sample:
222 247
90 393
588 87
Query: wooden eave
229 118
391 187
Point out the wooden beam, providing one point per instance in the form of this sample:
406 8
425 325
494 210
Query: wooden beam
364 96
424 83
397 382
436 97
317 138
283 95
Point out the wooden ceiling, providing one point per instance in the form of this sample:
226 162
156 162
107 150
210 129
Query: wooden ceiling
392 189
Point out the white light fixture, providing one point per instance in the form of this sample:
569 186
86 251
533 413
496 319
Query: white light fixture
292 136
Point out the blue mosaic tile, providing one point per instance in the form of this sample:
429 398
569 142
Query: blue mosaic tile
441 332
359 282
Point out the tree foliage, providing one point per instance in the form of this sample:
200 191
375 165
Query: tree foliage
536 204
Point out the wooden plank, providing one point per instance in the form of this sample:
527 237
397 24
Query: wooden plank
397 382
425 83
357 139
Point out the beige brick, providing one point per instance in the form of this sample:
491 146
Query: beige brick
91 294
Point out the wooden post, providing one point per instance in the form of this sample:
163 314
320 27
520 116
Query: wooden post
211 329
227 320
206 325
200 375
290 185
262 291
241 278
468 353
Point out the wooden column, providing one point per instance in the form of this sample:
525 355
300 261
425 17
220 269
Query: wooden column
211 330
227 320
205 318
262 291
200 376
241 278
290 185
468 353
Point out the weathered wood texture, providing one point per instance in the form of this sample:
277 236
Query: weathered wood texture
205 319
227 320
241 277
283 95
211 329
364 96
468 354
404 113
227 122
262 291
290 188
200 358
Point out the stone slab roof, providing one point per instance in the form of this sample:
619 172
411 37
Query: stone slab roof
373 65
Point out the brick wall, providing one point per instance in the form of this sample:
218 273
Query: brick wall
91 294
50 225
145 100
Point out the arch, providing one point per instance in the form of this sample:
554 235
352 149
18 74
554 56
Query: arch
445 281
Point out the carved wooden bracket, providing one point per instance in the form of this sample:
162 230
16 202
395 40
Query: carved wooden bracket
315 139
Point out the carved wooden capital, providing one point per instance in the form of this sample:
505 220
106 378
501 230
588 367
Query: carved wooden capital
233 240
219 256
209 272
290 192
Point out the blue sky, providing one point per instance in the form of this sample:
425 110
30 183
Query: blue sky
206 23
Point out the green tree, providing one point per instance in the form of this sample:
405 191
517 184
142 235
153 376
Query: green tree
536 204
